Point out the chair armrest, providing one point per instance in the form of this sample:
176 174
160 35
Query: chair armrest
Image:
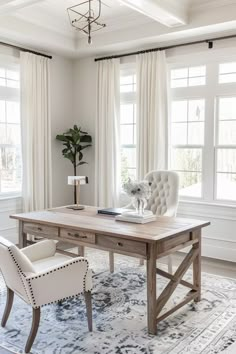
40 250
66 280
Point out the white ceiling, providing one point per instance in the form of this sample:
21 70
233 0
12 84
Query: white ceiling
44 25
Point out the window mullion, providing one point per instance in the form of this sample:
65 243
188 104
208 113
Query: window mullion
209 148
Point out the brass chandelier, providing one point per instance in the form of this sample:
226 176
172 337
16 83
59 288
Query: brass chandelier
84 17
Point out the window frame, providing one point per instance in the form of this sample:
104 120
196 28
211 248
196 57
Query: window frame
10 94
187 93
129 98
219 146
211 92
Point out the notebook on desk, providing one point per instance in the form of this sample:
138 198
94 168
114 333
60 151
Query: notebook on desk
112 211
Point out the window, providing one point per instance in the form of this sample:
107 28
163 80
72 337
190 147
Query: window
202 139
187 137
9 78
226 148
191 76
10 137
128 123
227 73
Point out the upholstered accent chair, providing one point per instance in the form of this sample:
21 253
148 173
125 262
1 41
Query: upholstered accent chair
163 201
40 276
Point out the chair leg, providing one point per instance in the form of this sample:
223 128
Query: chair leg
88 302
170 265
10 298
111 262
34 329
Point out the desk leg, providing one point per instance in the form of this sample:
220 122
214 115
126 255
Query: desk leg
111 262
197 265
22 236
151 289
81 251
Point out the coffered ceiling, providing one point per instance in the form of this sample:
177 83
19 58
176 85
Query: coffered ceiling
44 24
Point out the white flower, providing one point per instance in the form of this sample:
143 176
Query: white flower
137 189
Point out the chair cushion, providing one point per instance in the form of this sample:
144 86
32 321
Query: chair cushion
22 260
41 249
49 262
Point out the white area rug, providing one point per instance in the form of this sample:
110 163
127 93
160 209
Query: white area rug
119 317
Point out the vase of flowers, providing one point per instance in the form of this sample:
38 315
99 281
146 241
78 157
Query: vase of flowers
140 192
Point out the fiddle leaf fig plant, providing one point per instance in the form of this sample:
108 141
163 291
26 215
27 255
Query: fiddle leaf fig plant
74 142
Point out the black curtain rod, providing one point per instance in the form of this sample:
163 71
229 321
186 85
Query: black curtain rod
25 50
209 41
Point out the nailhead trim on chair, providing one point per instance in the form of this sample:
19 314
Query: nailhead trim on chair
52 271
19 270
16 263
64 298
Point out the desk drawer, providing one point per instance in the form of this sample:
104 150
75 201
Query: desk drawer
41 230
122 245
78 235
164 245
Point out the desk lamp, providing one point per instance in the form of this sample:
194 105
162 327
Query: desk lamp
77 181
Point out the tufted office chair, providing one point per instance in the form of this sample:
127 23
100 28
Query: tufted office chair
165 191
40 277
163 200
164 197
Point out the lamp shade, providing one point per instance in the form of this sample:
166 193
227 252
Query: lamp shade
74 180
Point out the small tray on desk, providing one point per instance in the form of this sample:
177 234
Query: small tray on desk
135 220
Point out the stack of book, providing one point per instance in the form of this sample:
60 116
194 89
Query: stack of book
133 216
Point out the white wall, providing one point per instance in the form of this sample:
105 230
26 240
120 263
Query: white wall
62 115
219 239
85 111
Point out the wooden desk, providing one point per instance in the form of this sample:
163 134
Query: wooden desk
149 241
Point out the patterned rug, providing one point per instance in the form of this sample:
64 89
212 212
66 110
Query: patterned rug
119 317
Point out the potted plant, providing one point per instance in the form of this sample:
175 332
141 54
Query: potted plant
75 141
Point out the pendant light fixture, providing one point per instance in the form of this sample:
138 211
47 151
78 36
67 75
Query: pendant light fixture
84 17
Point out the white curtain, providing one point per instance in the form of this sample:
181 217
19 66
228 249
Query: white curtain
36 135
107 175
151 112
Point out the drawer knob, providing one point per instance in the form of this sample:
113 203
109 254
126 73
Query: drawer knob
77 235
119 244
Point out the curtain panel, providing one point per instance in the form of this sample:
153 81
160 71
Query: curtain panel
107 169
152 116
36 134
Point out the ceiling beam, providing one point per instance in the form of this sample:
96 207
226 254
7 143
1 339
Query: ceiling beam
170 13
